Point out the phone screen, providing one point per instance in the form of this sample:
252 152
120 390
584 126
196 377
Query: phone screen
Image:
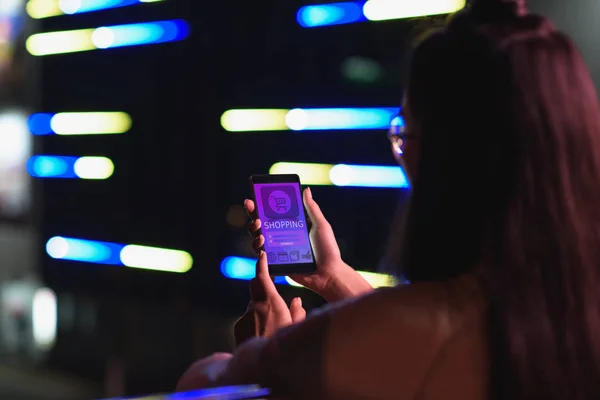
280 209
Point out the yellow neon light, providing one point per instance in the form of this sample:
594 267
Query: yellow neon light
310 174
94 168
42 44
153 258
381 10
39 9
374 279
254 120
90 123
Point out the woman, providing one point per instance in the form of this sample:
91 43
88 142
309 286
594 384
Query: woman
501 240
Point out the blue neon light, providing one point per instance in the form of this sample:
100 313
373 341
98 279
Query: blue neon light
397 121
307 119
331 14
233 391
84 250
243 269
96 5
52 167
141 34
39 124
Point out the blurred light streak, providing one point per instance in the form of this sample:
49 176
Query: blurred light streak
156 259
373 176
245 269
132 256
397 121
107 37
44 166
38 9
84 250
310 174
331 14
368 176
43 8
223 392
381 10
254 120
301 119
44 318
308 119
61 42
93 168
374 10
79 123
15 139
375 280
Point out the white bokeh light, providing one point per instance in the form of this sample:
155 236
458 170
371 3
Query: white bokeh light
103 38
296 119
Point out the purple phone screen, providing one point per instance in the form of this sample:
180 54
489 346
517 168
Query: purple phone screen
283 223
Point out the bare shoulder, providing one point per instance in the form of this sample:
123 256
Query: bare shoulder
399 330
440 303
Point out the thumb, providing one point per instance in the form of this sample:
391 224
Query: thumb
297 311
312 208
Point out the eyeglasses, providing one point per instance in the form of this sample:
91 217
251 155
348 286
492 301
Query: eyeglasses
397 134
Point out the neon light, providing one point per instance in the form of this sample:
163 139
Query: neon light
93 168
132 256
44 166
156 259
80 123
225 392
381 10
368 176
43 8
107 37
244 269
340 118
331 14
308 119
375 280
42 44
90 251
44 318
254 120
397 121
373 176
38 9
374 10
310 174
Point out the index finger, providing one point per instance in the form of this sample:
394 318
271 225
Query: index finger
250 208
262 287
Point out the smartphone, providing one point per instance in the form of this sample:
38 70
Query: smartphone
278 200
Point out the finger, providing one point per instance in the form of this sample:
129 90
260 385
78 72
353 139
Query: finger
312 208
297 311
262 287
254 227
258 243
245 327
250 208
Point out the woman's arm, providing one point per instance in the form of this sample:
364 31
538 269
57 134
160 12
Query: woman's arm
346 284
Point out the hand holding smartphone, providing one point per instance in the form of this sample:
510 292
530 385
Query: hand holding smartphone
278 200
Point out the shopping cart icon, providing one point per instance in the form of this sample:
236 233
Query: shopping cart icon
281 203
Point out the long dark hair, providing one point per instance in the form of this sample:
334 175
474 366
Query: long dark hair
508 184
